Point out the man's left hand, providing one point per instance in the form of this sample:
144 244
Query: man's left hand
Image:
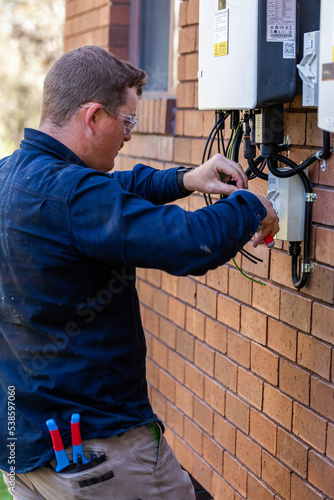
207 179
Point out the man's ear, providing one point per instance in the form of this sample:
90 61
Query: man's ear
91 114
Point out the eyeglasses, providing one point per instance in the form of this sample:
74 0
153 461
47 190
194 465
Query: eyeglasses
128 121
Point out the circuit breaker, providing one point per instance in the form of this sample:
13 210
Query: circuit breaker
326 77
247 53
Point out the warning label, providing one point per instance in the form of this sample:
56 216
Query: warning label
221 33
281 20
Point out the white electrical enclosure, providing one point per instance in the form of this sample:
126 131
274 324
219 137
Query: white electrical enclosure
247 53
288 197
326 80
218 87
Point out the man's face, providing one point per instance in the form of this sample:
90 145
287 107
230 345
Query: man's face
111 135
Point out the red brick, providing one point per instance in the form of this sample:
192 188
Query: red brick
193 435
151 321
203 415
250 388
160 302
193 11
314 135
295 124
277 406
187 39
220 489
292 452
195 322
235 474
280 268
320 284
322 397
237 412
266 299
176 312
324 250
239 287
276 475
159 353
263 431
264 363
257 490
253 325
294 381
185 344
215 335
184 399
194 380
314 355
224 433
302 490
212 453
182 151
184 454
238 348
296 310
175 365
330 441
204 357
174 418
283 339
191 66
167 332
185 95
167 385
248 453
305 422
323 322
327 177
207 300
183 14
202 472
228 312
226 372
193 123
159 403
214 395
260 270
323 209
321 473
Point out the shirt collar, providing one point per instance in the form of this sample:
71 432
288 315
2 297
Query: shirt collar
36 139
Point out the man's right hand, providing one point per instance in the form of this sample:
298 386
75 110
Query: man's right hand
270 224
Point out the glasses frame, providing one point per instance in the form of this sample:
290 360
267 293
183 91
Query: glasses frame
130 119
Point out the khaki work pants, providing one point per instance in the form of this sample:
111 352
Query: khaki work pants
132 466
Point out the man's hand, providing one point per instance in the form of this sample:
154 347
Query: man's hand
270 224
206 178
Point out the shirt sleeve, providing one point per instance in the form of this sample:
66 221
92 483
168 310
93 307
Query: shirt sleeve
119 227
156 186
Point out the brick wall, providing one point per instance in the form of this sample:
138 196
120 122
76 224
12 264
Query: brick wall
241 374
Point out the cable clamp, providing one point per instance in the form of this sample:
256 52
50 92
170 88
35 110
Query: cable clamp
307 268
311 197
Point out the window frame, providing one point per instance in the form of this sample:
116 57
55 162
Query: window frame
134 37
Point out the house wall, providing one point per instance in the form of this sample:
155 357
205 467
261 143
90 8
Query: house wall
242 374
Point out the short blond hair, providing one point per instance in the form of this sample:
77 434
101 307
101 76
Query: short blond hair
87 74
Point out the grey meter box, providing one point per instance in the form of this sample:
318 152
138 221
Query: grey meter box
247 53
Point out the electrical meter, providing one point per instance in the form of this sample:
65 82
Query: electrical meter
326 77
247 53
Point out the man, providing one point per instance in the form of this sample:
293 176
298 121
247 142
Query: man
71 235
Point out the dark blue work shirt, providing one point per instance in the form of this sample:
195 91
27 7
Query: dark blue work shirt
71 337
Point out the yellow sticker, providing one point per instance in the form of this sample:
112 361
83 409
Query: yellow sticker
221 49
